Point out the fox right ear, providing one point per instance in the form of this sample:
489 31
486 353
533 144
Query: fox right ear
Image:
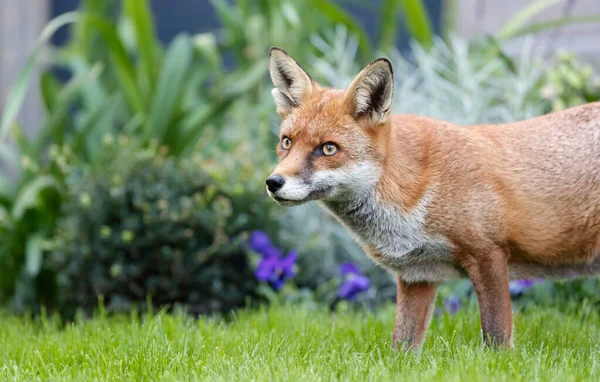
370 94
291 82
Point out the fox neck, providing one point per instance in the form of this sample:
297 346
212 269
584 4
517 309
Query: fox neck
403 153
401 180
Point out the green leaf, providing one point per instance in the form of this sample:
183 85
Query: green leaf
125 69
141 15
93 91
49 89
9 155
171 83
28 197
243 82
93 127
388 24
33 254
23 142
83 33
7 188
337 15
17 93
228 15
417 21
551 24
518 21
53 126
194 124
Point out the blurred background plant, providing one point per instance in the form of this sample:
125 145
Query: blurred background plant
145 225
146 176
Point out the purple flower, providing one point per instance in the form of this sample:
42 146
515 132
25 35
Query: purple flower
452 304
520 286
276 270
353 282
259 242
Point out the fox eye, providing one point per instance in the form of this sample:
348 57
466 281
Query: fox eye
329 149
286 143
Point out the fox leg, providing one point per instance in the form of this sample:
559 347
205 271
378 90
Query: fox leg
489 275
413 312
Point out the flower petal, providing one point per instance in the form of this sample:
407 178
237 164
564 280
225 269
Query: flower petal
259 242
452 304
287 264
347 291
349 268
362 283
265 268
277 283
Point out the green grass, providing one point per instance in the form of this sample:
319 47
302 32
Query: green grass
297 343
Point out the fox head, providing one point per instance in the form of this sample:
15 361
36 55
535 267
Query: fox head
328 144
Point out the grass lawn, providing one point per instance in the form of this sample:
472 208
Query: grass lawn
297 343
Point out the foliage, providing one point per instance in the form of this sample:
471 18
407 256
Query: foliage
519 24
570 83
121 80
145 225
304 343
250 28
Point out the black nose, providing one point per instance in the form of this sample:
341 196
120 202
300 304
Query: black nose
275 182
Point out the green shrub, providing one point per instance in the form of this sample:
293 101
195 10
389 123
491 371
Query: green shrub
569 83
145 225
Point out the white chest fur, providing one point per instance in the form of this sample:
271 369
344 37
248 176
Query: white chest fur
399 240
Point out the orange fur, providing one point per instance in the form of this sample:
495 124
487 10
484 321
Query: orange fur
520 198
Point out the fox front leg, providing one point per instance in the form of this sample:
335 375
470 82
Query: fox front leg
413 312
489 275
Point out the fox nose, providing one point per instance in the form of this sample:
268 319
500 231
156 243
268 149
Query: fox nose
275 182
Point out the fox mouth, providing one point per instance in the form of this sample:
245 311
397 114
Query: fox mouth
288 202
313 195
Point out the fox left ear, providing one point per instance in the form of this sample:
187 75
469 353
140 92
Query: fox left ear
291 82
371 93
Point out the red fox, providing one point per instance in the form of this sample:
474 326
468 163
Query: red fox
431 201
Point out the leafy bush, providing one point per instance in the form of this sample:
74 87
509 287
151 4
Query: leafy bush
144 224
121 81
570 83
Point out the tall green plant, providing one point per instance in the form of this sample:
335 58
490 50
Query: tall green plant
122 80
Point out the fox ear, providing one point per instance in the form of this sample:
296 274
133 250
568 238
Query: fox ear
371 93
291 82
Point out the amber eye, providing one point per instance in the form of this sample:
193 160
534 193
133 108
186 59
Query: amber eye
286 143
329 149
